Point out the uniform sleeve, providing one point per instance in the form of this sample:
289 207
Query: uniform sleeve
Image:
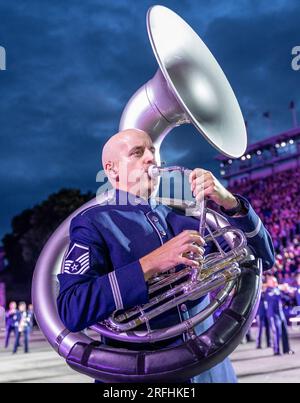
258 238
90 288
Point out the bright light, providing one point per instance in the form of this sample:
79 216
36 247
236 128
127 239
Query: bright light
283 144
248 156
222 172
258 152
229 161
222 165
243 158
277 145
291 141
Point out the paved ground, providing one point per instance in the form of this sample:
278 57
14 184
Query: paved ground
43 365
252 365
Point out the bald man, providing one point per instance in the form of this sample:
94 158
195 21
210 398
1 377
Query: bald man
117 246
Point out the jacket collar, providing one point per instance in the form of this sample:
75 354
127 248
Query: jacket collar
120 198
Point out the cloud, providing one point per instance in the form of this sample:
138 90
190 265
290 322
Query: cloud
259 64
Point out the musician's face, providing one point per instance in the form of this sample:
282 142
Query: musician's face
272 282
137 153
22 307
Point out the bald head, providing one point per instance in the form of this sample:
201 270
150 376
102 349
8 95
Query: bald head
119 142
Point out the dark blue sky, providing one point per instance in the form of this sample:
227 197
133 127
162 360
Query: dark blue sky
72 66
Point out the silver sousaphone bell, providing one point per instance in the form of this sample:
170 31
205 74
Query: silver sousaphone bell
189 87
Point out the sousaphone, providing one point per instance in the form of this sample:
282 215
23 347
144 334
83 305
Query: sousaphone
189 87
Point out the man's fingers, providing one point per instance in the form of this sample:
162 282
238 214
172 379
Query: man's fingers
189 237
198 172
207 192
197 239
201 250
192 248
188 262
189 231
201 183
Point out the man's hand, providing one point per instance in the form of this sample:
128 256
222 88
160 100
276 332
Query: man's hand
204 184
173 253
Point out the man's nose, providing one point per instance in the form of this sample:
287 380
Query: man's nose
149 156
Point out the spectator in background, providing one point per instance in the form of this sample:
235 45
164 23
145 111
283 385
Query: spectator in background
11 322
263 322
276 200
23 327
30 319
297 290
276 316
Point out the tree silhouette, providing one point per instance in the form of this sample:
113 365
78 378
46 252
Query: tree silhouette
30 231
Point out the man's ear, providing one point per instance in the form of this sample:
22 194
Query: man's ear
111 170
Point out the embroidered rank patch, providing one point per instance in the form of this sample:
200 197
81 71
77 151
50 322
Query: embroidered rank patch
77 260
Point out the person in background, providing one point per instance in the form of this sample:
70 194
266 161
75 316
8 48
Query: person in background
262 322
297 290
276 316
30 319
23 327
11 320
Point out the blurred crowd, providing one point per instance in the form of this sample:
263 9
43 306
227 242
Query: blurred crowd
276 200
